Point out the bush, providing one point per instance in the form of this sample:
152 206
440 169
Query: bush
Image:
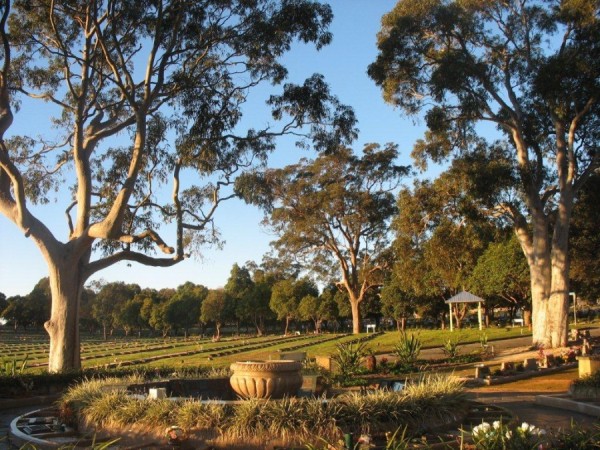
408 349
417 407
451 348
349 357
586 387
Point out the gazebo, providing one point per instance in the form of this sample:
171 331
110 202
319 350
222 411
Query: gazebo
465 297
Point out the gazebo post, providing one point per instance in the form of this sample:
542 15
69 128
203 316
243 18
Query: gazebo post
451 325
479 315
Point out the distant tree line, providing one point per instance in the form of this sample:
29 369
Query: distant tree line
437 251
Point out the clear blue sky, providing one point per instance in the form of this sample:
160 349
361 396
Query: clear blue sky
343 63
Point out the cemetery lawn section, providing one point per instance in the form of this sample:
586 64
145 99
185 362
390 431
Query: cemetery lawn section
28 352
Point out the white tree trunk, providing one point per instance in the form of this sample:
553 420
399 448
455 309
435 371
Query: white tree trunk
66 285
355 306
549 271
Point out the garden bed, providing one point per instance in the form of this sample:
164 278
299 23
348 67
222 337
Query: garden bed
431 404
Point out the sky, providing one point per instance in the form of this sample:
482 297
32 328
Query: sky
343 63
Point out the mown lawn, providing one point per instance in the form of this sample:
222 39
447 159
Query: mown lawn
202 352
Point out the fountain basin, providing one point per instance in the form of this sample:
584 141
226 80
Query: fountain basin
266 379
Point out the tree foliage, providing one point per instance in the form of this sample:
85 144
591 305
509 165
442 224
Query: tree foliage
585 242
141 93
109 303
183 308
502 272
531 68
30 310
438 242
332 215
218 307
286 296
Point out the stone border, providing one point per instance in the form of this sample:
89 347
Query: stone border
25 439
495 380
561 401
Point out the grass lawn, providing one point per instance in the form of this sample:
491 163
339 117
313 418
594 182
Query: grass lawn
435 338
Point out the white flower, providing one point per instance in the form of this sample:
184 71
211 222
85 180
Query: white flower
525 426
485 426
508 434
497 424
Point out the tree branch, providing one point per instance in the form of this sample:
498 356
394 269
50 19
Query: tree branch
127 255
147 234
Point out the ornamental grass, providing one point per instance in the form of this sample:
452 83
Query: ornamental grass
294 420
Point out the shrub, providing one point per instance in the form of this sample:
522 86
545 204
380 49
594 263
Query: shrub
194 414
408 349
576 437
451 348
418 406
349 357
588 386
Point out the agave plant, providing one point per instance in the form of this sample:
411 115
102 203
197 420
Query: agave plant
451 347
408 349
349 357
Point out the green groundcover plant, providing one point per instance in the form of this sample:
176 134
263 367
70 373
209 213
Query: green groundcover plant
432 399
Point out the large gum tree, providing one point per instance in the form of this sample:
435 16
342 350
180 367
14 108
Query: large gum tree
532 69
332 215
142 94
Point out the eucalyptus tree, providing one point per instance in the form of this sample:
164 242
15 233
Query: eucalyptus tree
3 302
529 67
308 309
331 215
108 303
183 308
255 304
141 94
585 243
286 296
438 241
240 287
15 312
128 315
397 303
217 307
502 271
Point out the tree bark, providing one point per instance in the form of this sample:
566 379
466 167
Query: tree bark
355 306
66 285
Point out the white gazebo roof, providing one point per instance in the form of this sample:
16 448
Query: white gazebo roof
465 297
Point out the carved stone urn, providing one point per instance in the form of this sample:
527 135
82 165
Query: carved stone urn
266 379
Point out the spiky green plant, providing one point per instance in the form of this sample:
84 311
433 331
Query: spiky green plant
161 411
349 356
132 411
373 412
195 414
408 349
451 347
245 421
102 410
